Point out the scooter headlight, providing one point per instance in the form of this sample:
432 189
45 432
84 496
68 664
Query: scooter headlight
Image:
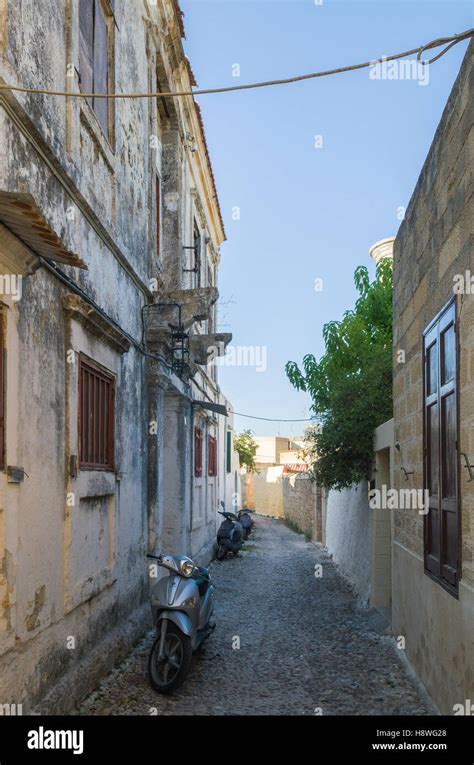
186 567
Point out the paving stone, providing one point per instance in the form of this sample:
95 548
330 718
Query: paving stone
304 644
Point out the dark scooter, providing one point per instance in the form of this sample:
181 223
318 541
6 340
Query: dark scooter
246 520
230 535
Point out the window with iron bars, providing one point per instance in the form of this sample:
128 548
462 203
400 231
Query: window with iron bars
96 417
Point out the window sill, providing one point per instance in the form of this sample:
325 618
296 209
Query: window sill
454 591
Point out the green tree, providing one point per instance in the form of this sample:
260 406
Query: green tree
246 446
351 384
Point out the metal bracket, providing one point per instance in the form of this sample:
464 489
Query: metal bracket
16 474
407 472
468 465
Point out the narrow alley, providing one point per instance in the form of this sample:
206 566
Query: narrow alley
306 647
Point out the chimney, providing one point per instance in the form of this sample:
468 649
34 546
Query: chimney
382 249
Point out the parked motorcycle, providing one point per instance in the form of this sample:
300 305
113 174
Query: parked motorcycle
230 535
246 520
182 605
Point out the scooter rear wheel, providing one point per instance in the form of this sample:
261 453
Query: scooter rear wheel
222 551
168 673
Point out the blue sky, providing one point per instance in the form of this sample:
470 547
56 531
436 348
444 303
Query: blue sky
308 213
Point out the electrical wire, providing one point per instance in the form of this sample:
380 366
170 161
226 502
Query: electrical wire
74 287
449 42
270 419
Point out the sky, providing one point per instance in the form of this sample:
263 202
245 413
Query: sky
309 175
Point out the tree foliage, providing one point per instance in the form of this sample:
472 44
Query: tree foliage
351 384
246 447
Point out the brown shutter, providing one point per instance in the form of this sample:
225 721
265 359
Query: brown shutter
96 417
448 464
101 66
86 46
197 452
2 390
441 529
212 456
432 541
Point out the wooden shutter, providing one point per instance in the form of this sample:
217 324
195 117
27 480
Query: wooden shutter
441 524
229 452
86 46
2 389
212 456
96 417
197 452
101 66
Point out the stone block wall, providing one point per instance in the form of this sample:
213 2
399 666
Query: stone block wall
293 497
432 248
302 504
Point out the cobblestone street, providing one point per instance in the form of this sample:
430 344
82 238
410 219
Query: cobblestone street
304 645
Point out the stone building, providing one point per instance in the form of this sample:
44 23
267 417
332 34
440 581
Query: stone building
433 568
110 230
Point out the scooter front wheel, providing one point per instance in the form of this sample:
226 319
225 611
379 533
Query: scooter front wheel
167 673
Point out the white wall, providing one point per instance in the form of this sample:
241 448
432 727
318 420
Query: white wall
349 525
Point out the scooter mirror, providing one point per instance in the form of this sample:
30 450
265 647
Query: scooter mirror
222 504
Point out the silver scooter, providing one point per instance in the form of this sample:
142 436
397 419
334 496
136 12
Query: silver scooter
182 605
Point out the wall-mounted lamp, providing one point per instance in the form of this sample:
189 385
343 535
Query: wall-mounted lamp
180 349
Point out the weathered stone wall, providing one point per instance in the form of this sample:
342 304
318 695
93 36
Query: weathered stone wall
72 571
268 491
434 244
302 504
247 487
78 570
293 497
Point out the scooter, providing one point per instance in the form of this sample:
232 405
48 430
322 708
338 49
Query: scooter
230 535
246 520
182 605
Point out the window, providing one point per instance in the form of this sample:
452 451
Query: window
96 417
229 452
212 456
158 214
94 56
441 524
197 452
3 354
